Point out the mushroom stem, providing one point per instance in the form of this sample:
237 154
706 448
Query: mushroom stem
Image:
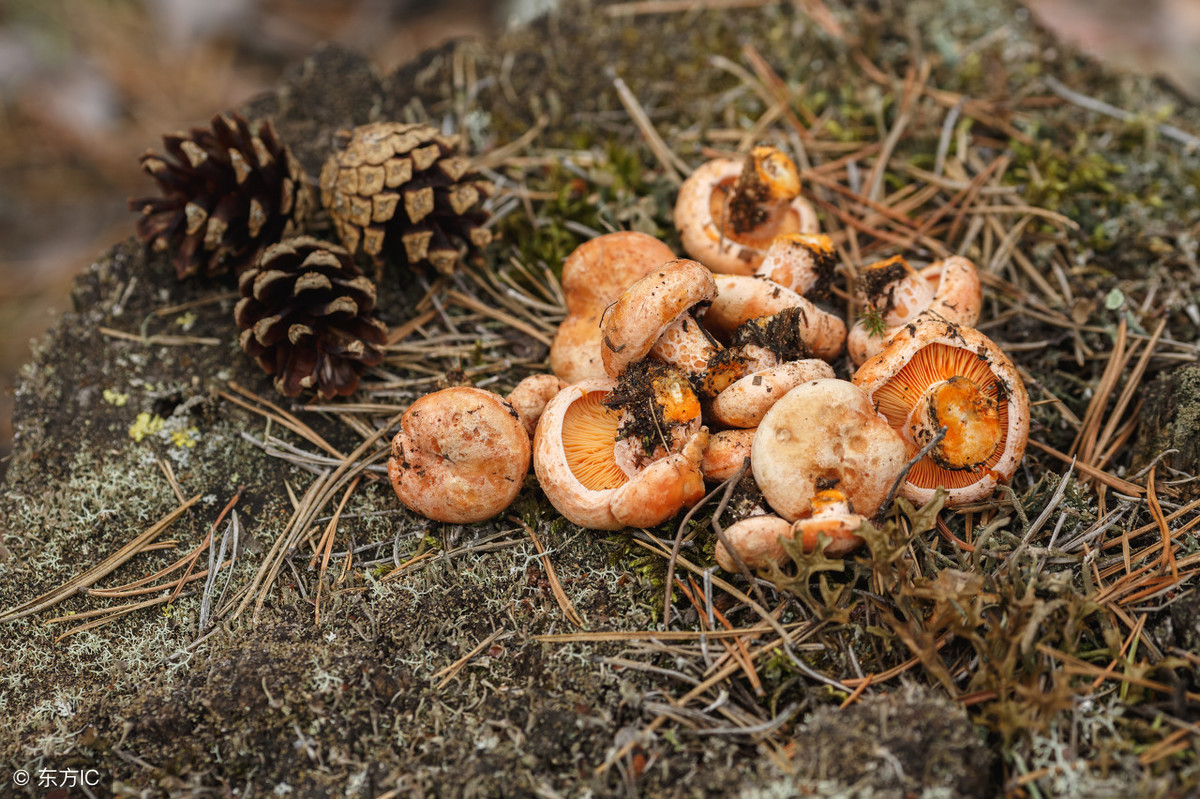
767 183
685 346
971 419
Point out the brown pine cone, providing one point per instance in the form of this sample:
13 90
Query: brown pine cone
227 193
406 187
305 317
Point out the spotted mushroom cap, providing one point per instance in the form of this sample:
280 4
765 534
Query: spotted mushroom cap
801 262
461 455
634 323
825 434
929 352
530 396
574 458
725 453
703 218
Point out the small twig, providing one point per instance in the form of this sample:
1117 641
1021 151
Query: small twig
1101 107
673 168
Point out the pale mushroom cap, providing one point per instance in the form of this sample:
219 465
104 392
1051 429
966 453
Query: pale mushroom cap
599 270
954 293
756 539
461 455
839 527
575 351
821 434
656 494
741 298
725 453
636 321
800 262
932 350
530 396
699 219
745 402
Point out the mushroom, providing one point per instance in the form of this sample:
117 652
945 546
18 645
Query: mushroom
530 397
802 262
756 539
741 298
725 453
729 211
825 434
895 294
653 317
593 276
746 401
574 456
932 374
461 455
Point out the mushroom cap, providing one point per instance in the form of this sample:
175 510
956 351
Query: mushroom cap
927 352
756 539
744 403
823 434
575 351
530 396
461 455
951 290
802 262
701 215
740 298
574 458
725 453
599 270
634 323
832 516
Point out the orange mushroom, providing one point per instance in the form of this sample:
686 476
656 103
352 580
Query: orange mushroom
895 294
936 374
729 211
530 396
461 455
757 538
741 298
575 458
802 262
593 276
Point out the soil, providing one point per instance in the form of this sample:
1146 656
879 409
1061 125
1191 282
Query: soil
390 692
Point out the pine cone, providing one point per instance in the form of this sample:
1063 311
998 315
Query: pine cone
226 194
405 184
305 317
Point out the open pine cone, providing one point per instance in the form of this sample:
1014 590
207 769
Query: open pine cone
227 193
406 187
305 317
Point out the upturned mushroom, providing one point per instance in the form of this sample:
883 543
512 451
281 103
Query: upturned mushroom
730 210
461 455
575 458
746 401
593 276
894 294
825 434
936 374
756 539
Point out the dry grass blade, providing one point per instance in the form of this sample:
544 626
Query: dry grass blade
325 548
457 666
279 416
160 341
564 601
111 614
673 167
679 6
467 301
101 569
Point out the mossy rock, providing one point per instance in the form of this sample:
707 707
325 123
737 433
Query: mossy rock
380 694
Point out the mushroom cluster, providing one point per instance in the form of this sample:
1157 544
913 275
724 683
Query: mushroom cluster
669 372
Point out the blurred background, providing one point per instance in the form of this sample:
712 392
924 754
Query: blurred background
87 85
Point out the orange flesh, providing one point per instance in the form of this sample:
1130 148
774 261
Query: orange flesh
971 419
679 402
933 364
778 223
589 433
